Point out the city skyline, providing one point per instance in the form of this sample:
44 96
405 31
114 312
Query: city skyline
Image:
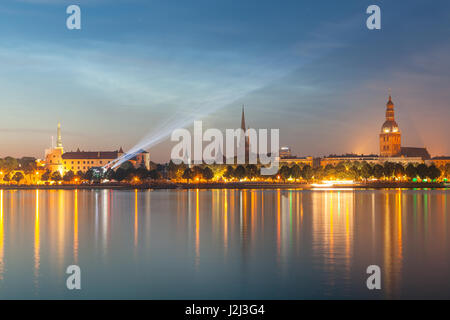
316 73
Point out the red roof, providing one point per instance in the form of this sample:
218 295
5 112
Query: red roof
91 155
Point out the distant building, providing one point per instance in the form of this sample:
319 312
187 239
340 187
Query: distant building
53 155
440 162
390 139
370 159
390 136
285 152
301 161
58 160
335 159
411 152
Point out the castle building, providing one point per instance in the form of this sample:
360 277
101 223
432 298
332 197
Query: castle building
58 160
390 136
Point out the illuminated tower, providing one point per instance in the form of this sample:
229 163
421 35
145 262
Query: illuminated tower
58 139
247 147
53 156
390 136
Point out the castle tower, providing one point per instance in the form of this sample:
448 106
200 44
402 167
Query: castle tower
53 156
390 136
58 134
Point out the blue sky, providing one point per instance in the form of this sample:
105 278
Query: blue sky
136 69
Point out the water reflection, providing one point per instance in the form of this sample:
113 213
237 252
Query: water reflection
37 245
2 238
75 228
267 243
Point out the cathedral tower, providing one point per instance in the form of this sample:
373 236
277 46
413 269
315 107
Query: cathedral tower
390 136
247 142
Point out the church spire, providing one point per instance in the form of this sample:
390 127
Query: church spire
243 119
58 137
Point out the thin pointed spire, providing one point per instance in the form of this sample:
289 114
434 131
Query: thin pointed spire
243 119
58 136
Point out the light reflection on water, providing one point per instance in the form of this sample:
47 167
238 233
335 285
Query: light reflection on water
224 243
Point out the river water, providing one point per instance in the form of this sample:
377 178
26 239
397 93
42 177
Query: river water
224 244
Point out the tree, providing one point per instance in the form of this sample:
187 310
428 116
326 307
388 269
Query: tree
109 174
79 175
285 172
46 175
120 174
329 171
56 176
28 164
411 171
154 174
141 172
88 175
307 172
354 172
251 171
422 171
433 172
188 174
6 178
69 176
127 165
18 176
9 164
388 169
318 173
296 172
239 173
399 170
366 171
342 171
208 174
378 171
229 173
172 170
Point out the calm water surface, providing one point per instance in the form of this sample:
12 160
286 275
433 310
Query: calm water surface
223 244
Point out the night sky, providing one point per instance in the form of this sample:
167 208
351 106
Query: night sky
137 69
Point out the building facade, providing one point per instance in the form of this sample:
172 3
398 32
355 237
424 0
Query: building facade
370 159
53 155
390 136
285 152
58 160
440 162
301 161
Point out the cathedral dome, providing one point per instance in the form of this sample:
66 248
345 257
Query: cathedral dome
390 126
